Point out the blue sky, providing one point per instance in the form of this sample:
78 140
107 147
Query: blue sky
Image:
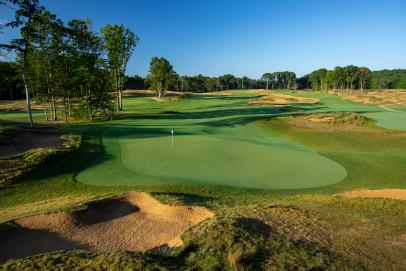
250 37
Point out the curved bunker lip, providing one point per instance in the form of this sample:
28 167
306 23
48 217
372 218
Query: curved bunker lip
134 222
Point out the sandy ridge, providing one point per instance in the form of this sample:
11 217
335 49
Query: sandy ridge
399 194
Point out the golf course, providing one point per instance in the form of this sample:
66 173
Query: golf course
231 152
174 135
222 140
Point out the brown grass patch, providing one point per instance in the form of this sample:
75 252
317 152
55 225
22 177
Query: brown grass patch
135 222
399 194
20 105
272 98
384 97
332 122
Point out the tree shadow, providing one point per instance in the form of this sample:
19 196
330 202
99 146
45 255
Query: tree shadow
253 226
104 210
18 242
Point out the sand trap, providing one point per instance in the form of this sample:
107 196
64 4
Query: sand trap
25 141
399 194
136 222
386 97
272 98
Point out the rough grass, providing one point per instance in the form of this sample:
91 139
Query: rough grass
388 97
254 229
15 167
299 233
372 156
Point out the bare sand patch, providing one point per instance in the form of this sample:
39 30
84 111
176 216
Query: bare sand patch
399 194
221 93
384 97
24 141
135 222
149 93
272 98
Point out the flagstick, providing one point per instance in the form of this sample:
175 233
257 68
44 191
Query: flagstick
172 137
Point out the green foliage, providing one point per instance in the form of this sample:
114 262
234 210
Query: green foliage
201 83
349 77
317 78
11 84
279 80
120 43
161 75
401 84
388 79
66 62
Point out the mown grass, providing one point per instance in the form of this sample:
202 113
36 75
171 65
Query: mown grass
254 229
373 157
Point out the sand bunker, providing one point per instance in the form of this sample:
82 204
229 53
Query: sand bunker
25 141
386 97
271 98
399 194
136 222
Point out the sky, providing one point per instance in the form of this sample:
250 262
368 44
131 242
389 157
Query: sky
249 37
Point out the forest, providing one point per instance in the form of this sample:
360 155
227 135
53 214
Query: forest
66 64
11 85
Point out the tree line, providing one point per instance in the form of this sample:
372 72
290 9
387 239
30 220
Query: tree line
340 79
353 77
66 64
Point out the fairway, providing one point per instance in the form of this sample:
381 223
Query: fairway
219 140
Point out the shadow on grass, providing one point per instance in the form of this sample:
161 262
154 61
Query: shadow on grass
19 242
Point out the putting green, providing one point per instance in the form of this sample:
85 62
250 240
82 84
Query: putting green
261 162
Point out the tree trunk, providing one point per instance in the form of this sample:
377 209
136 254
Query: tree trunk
54 108
65 110
160 88
46 112
267 84
69 107
27 93
120 100
120 93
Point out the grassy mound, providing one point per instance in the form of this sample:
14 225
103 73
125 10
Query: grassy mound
16 166
337 120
